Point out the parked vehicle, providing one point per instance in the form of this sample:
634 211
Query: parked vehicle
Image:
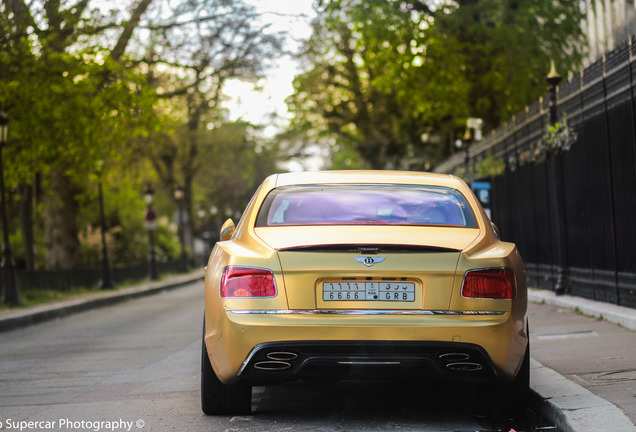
362 275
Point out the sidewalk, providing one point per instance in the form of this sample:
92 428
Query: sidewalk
583 368
583 372
16 318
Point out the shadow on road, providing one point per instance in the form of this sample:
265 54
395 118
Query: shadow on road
385 405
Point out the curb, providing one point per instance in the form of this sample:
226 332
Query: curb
48 312
571 407
620 315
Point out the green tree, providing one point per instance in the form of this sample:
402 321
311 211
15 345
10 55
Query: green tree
73 107
503 49
189 64
396 80
236 161
340 96
82 79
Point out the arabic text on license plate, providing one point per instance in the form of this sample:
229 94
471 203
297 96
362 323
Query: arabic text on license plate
368 291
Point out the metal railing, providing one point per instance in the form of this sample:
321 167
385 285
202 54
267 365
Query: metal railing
64 280
599 182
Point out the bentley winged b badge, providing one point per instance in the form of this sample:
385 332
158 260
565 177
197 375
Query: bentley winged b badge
369 261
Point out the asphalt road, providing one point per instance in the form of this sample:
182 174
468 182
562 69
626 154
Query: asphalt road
135 367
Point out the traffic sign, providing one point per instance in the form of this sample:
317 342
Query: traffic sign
150 215
150 219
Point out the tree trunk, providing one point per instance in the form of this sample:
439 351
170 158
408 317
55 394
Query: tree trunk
60 227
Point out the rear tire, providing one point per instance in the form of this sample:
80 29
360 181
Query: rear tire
218 398
510 400
514 396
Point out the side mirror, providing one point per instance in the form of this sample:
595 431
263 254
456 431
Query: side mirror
227 230
496 230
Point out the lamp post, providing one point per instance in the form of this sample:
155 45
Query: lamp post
106 281
8 264
204 233
467 138
462 144
557 193
150 225
214 211
178 196
553 80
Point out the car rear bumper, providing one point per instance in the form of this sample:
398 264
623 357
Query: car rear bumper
337 344
367 360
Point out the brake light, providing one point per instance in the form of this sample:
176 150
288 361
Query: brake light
247 282
496 283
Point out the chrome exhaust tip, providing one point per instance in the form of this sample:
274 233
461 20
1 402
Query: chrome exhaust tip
454 357
282 356
272 365
464 367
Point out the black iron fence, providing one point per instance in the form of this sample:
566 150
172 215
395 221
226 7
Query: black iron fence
593 242
64 280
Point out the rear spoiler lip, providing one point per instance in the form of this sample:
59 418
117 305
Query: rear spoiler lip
370 249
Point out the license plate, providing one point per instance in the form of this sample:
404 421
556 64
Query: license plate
368 291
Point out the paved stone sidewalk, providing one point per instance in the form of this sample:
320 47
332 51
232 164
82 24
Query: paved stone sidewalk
584 362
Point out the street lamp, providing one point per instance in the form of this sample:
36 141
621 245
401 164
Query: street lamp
204 233
462 144
106 281
178 196
8 264
553 80
201 212
467 140
214 211
557 192
150 224
214 228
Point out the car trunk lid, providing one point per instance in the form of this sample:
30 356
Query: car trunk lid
362 267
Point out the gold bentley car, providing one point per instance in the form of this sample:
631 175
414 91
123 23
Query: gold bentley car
362 275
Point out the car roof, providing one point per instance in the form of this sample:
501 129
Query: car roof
367 177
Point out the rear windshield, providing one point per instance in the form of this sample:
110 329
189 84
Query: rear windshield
365 204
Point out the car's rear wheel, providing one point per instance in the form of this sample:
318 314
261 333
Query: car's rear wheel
510 399
517 392
219 398
513 397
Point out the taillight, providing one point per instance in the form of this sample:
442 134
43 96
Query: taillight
247 282
498 283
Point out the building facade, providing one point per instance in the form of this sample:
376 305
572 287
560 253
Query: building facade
608 23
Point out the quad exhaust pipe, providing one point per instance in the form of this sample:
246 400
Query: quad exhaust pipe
458 362
272 365
282 356
283 360
454 357
276 361
464 367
